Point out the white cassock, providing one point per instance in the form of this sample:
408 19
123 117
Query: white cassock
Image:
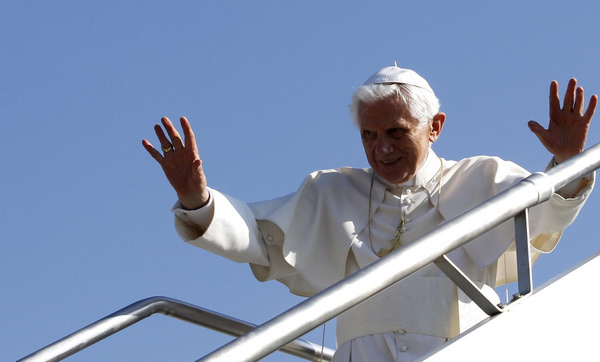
318 235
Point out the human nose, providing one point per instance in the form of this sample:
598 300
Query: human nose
384 146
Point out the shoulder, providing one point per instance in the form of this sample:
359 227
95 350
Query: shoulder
339 175
486 166
336 181
480 177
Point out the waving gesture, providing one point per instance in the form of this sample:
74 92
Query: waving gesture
180 163
568 128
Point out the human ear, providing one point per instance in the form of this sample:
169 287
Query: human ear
437 123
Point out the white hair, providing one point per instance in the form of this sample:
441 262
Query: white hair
420 103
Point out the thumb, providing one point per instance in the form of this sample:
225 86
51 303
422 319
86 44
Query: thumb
538 130
198 173
542 134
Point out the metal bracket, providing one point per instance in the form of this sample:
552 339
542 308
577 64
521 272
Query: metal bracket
523 254
466 285
523 269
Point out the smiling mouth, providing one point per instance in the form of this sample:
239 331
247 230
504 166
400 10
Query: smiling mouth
389 162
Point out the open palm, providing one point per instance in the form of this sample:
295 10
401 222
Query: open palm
569 125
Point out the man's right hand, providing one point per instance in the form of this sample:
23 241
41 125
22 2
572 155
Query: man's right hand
181 163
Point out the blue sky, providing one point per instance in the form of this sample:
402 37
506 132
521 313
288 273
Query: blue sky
86 224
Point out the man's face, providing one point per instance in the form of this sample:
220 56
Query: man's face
395 144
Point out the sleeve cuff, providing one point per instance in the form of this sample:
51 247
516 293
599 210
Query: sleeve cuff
576 188
200 218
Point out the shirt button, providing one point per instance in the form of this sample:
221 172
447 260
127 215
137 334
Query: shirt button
403 349
269 237
408 191
401 331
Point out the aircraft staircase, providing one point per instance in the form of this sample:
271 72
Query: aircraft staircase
528 317
557 322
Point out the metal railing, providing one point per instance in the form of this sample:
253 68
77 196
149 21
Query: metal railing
399 264
136 312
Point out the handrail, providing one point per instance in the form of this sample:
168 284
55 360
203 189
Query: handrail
383 273
135 312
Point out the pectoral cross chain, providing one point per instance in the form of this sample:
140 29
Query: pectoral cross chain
396 243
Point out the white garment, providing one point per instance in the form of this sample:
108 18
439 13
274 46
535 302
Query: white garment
396 346
318 235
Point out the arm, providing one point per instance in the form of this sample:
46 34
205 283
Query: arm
232 231
181 163
235 234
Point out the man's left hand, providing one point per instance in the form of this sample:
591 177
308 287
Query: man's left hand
568 128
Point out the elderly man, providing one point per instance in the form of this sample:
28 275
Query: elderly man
339 221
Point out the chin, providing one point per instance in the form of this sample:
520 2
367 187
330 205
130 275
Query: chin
396 179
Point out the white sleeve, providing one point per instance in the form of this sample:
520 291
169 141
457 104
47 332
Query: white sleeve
201 218
226 227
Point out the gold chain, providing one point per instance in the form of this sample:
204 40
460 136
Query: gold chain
396 242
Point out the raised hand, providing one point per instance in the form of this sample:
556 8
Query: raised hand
569 125
181 163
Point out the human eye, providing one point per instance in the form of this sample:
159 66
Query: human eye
368 135
396 132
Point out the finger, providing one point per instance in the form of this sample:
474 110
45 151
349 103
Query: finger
578 106
539 131
554 97
591 109
190 139
569 94
173 134
198 172
152 151
162 138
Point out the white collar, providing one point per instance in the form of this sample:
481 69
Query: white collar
423 176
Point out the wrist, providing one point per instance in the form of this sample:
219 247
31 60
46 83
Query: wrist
194 203
560 159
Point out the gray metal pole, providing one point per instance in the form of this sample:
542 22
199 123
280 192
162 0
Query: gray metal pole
397 265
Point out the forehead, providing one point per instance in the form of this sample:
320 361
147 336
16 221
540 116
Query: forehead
385 113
